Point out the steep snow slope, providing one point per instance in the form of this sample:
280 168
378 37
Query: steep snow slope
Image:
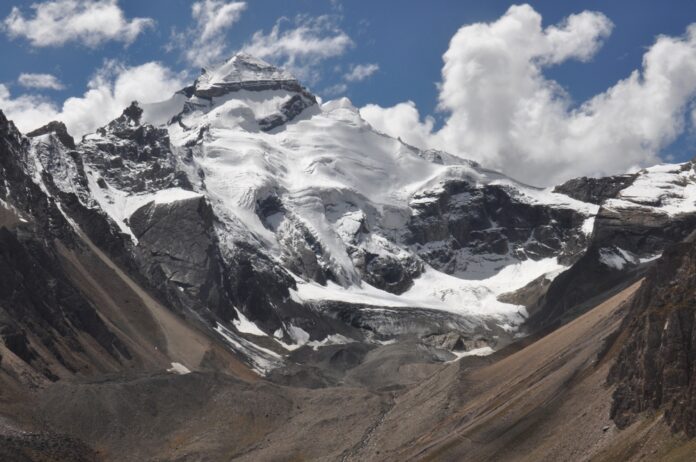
326 176
665 188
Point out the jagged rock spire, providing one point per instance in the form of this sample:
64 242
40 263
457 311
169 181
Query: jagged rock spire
57 128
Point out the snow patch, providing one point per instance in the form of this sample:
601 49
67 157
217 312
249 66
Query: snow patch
167 196
333 339
483 351
299 336
616 257
666 188
262 359
245 326
650 258
437 290
588 225
178 368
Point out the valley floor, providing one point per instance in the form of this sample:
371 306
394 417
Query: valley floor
546 400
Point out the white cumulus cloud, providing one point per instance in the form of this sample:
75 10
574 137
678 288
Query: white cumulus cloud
361 72
47 81
401 120
335 90
301 47
356 73
504 112
215 16
89 22
109 91
205 43
27 111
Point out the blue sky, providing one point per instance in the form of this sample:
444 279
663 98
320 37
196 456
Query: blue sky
405 39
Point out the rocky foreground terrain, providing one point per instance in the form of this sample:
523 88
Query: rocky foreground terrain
245 272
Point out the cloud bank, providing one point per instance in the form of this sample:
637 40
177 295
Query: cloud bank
205 42
45 81
91 23
109 91
360 72
302 46
502 111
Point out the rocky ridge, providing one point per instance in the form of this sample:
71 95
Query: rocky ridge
655 368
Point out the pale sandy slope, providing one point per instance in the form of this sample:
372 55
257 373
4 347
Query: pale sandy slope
547 401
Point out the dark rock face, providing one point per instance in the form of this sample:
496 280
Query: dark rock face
40 308
66 180
569 293
529 296
288 111
641 232
467 220
25 194
595 190
177 253
59 129
223 88
656 368
39 302
387 272
133 156
260 288
453 341
303 253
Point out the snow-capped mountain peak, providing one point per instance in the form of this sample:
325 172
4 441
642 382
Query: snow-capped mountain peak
242 67
319 206
243 72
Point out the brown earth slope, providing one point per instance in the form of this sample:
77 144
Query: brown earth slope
547 400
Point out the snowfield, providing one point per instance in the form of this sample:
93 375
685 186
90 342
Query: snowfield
665 188
440 291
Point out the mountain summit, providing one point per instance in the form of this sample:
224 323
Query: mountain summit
242 68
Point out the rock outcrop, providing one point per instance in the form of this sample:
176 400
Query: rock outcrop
177 253
631 229
595 190
460 224
59 129
656 367
44 317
